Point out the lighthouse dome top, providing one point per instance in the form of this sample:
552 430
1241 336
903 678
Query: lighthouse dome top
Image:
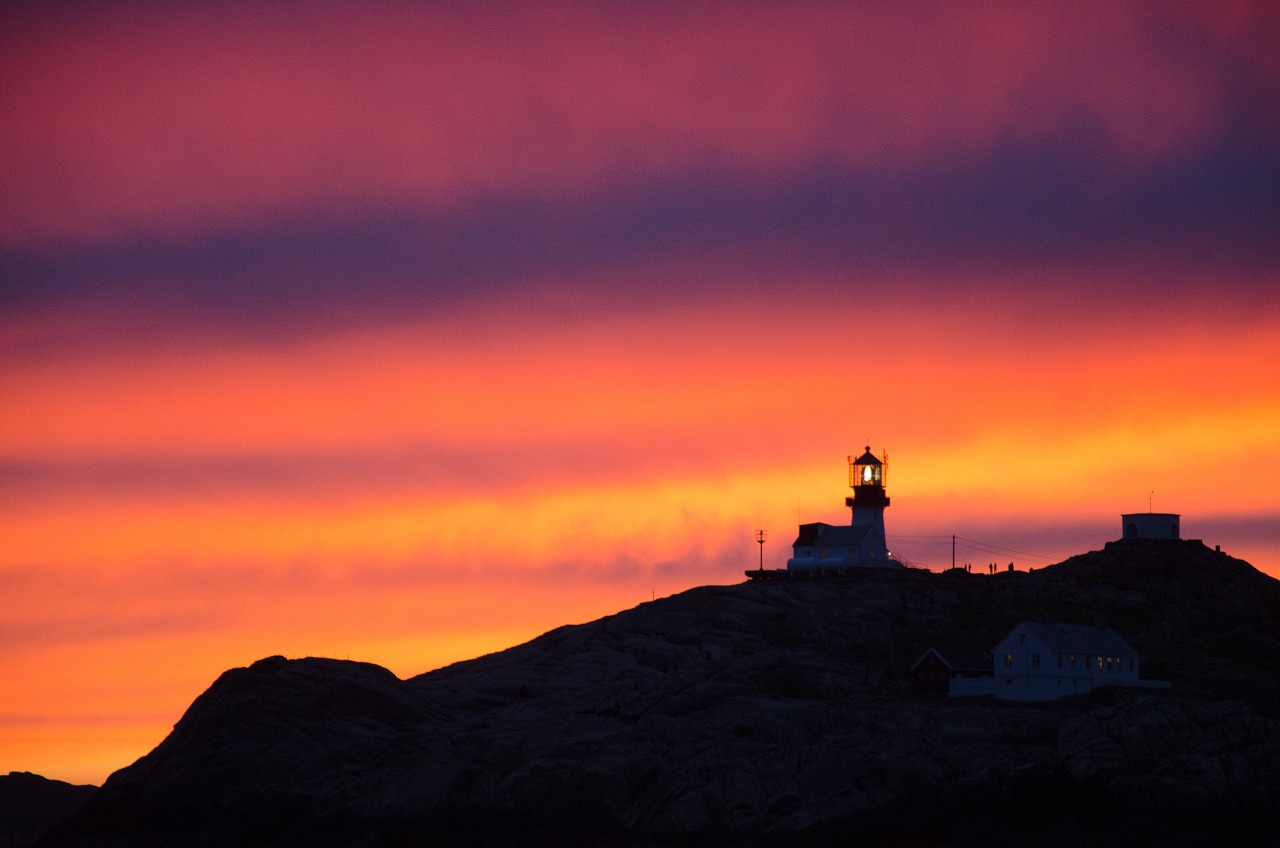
867 458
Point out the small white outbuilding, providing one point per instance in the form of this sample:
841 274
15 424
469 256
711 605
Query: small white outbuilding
1150 525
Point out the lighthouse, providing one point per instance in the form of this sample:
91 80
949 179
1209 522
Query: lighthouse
826 548
867 478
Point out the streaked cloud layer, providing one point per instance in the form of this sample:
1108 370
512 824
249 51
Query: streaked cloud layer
410 332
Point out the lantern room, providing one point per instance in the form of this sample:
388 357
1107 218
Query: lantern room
866 470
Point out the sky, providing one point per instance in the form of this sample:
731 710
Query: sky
405 333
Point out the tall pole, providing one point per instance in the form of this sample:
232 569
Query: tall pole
761 535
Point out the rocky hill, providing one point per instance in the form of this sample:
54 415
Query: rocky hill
774 713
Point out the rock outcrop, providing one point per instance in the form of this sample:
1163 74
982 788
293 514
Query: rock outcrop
771 713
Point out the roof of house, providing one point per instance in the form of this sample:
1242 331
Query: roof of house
815 535
1079 639
959 659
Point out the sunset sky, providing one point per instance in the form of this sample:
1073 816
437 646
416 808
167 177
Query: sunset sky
407 333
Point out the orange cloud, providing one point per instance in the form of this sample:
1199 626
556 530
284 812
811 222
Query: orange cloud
396 444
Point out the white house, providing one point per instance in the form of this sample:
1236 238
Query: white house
1041 662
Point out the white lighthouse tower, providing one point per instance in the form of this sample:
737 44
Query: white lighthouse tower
826 548
867 479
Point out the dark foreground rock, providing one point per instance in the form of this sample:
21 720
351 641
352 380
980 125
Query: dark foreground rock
761 714
30 805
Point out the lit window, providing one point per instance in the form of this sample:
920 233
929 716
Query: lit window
1099 663
1008 660
1073 660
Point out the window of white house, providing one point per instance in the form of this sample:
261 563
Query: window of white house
1099 663
1059 660
1022 638
1008 660
1035 660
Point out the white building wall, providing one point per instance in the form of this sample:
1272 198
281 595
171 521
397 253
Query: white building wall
870 552
874 547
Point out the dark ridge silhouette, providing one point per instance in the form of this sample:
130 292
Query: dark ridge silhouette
776 713
30 805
